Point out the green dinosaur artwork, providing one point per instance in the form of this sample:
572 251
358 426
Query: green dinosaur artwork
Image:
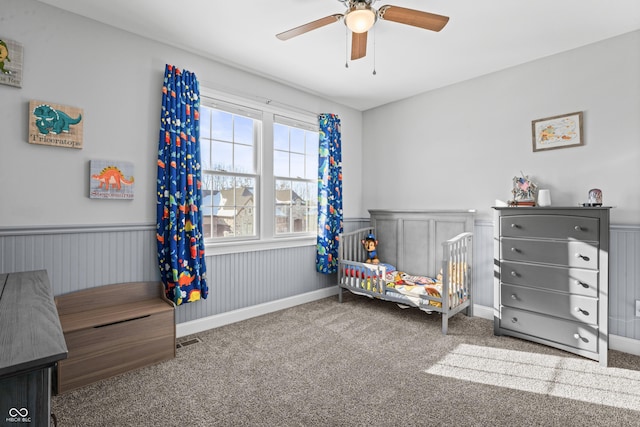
52 124
48 119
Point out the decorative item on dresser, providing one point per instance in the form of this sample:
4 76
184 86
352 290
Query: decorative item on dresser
551 281
523 191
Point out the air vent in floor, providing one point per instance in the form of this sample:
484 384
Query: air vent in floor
188 342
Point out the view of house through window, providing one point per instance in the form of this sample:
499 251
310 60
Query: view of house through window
228 142
232 139
295 166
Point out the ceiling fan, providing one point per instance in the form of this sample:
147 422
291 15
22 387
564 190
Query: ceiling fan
360 16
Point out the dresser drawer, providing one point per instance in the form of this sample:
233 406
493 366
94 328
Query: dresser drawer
563 279
573 334
568 254
550 227
568 306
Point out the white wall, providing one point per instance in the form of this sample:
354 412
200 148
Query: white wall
460 146
116 77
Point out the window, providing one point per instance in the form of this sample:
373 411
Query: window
295 167
259 171
229 138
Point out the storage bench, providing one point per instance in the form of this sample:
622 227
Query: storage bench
113 329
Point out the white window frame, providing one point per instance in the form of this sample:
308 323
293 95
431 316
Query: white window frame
266 237
287 121
256 115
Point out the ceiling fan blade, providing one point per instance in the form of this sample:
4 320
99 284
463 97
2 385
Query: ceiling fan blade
358 45
286 35
417 18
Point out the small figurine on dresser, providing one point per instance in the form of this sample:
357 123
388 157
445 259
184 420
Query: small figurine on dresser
595 198
524 191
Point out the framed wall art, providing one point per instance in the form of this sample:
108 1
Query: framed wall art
110 180
562 131
11 58
58 125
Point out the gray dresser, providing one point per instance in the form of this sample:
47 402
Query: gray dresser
551 277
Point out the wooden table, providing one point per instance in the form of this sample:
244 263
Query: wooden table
31 342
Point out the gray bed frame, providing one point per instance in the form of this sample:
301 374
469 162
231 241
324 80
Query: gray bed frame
418 242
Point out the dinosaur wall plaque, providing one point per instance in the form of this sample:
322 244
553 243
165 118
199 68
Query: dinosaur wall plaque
52 124
110 180
10 63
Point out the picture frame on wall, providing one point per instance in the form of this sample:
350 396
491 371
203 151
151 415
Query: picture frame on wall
110 179
11 60
55 125
555 132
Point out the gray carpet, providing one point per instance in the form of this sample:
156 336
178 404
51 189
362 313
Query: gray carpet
362 363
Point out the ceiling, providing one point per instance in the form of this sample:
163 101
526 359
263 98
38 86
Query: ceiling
482 36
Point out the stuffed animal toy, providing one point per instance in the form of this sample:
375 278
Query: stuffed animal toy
370 244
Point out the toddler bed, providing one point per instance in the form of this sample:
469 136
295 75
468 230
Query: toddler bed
425 260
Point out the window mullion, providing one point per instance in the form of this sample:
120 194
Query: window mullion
267 189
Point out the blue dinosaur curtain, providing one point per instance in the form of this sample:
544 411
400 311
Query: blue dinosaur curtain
329 193
179 222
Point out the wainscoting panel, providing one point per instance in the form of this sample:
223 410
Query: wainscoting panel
483 263
82 257
350 225
247 279
624 281
88 256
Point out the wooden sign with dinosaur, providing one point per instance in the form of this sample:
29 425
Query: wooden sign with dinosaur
10 63
111 180
58 125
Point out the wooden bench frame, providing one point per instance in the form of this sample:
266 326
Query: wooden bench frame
113 329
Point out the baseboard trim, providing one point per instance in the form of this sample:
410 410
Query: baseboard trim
624 344
218 320
483 311
618 343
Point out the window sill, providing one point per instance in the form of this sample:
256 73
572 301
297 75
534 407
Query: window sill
258 245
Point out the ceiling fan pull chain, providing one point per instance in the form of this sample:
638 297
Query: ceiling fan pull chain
346 47
374 52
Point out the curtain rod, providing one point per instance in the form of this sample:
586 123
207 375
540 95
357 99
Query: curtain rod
259 99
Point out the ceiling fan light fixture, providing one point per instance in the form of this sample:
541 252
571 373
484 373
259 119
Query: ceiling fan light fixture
360 18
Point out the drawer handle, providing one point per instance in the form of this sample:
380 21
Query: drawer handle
515 320
584 285
515 226
122 321
514 296
578 337
577 228
579 310
515 250
584 257
514 274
